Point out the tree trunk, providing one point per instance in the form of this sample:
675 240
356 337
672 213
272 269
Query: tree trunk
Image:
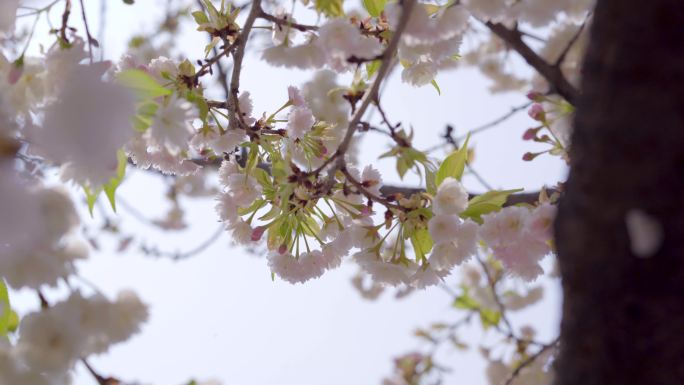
623 316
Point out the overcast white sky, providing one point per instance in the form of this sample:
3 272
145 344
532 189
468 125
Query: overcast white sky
219 315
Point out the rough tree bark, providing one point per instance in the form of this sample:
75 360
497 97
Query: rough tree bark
623 316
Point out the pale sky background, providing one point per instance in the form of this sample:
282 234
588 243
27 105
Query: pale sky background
219 316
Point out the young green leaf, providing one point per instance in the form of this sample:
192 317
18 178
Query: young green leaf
110 188
486 203
374 7
489 318
454 164
330 8
91 197
142 84
434 84
5 309
422 243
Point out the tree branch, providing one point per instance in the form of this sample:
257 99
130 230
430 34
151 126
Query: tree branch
529 361
239 54
372 93
573 40
551 73
286 23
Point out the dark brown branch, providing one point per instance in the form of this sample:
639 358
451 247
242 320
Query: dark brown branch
287 23
514 199
372 93
241 42
553 75
65 21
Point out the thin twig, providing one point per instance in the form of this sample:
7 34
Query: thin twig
372 93
176 256
88 35
572 42
222 72
492 287
65 21
241 42
553 75
359 186
486 126
530 360
287 23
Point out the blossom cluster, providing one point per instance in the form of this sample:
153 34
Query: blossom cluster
287 179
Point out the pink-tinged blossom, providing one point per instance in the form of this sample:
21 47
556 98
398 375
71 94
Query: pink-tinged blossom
460 248
171 126
305 56
299 122
324 98
246 108
423 29
451 197
86 126
419 74
371 180
297 270
244 188
241 232
226 208
228 141
341 40
427 276
443 228
518 238
295 97
163 69
282 32
541 222
382 272
227 169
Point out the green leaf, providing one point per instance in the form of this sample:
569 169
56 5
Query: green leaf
486 203
454 164
422 243
434 84
129 2
330 8
113 184
465 301
374 7
489 318
5 309
13 322
430 181
142 84
91 197
200 17
372 68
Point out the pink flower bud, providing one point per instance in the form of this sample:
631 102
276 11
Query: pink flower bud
529 156
257 233
282 249
530 134
535 96
536 112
